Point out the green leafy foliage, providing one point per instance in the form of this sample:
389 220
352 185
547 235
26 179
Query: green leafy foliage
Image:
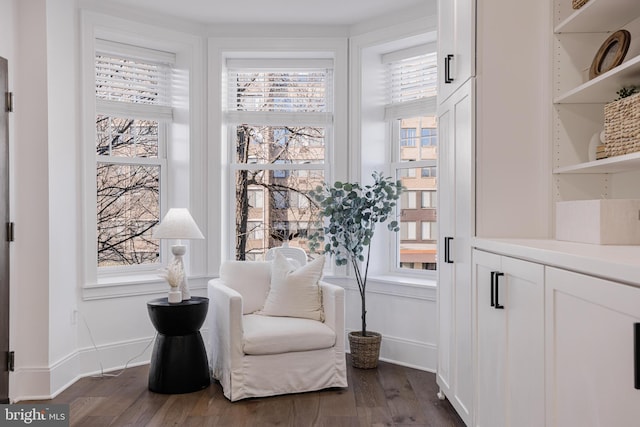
627 91
352 212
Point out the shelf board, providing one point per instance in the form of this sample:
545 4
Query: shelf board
600 16
617 164
603 88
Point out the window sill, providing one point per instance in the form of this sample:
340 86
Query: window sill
391 285
406 280
130 285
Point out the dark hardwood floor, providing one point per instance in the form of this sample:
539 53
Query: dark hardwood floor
390 395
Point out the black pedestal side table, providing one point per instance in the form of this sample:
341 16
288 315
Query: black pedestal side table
179 360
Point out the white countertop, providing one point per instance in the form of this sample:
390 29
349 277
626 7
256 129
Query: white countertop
619 263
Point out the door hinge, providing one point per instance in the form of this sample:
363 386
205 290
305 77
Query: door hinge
9 101
11 361
10 233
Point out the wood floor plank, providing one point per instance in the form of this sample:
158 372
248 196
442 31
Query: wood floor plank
210 401
374 416
401 399
174 411
389 396
366 388
93 421
338 402
142 410
439 413
83 407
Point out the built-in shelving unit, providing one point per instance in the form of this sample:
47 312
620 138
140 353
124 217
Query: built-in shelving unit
579 104
603 88
626 163
598 16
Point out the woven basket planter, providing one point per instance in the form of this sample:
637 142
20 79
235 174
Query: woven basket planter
577 4
622 126
365 351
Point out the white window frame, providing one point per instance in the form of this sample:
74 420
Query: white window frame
234 118
222 186
181 186
372 128
163 116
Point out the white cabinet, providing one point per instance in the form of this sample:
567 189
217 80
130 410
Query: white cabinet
456 227
456 45
590 325
509 342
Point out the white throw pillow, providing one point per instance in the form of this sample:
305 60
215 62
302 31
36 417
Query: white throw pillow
295 292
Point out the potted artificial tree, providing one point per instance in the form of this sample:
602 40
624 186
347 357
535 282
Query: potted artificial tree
353 212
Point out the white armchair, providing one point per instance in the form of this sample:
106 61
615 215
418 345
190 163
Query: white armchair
255 355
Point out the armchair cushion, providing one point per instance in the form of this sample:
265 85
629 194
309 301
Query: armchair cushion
276 335
250 279
295 292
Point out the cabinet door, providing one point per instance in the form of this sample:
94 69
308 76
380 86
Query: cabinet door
510 341
590 351
491 344
456 45
455 224
523 290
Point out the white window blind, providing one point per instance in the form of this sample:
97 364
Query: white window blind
302 86
411 85
142 87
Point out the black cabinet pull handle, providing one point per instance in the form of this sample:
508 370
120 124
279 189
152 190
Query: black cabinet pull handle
498 306
447 250
447 69
493 286
636 355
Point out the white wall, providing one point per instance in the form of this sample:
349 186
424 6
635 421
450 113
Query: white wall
404 313
513 119
30 260
64 215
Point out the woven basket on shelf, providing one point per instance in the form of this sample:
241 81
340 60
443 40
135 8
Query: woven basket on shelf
365 351
577 4
622 126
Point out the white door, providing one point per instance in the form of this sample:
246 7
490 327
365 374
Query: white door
590 342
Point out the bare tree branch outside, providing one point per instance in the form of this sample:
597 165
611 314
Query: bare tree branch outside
128 195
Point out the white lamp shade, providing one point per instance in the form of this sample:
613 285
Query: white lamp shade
178 224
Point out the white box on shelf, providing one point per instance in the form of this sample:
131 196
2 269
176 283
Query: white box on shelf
603 222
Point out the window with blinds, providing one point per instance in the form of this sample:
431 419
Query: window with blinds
284 91
126 80
412 78
280 115
410 84
133 112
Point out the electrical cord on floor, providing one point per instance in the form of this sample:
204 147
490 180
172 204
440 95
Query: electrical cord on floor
126 365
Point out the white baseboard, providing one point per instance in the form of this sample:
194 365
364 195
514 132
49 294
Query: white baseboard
412 354
42 383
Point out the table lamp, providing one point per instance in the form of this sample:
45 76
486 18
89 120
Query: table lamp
179 224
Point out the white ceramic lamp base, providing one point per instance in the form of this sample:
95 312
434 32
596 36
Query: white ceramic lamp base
178 251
